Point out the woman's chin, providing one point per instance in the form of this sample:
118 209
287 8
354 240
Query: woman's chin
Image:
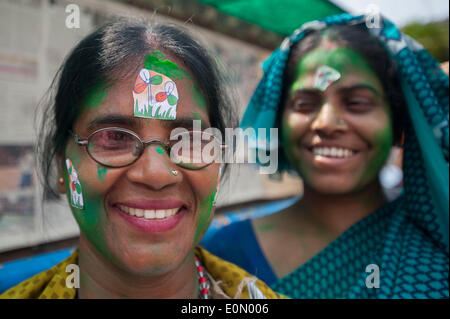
150 265
332 185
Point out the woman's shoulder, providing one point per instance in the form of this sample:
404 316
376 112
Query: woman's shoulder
234 281
49 284
237 226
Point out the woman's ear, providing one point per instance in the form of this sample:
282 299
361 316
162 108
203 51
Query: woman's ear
60 182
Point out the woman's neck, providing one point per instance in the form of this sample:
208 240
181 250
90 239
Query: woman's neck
337 213
100 278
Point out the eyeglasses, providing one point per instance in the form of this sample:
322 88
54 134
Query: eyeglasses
118 147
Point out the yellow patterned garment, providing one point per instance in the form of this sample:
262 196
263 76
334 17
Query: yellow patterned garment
51 284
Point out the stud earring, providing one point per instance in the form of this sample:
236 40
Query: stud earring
61 180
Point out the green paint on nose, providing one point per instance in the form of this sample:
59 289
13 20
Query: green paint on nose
160 150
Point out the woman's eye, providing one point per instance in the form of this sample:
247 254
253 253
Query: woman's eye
358 105
116 136
304 106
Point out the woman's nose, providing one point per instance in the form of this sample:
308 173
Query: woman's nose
328 119
154 169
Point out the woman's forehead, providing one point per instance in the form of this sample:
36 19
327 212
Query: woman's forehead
325 66
340 58
118 99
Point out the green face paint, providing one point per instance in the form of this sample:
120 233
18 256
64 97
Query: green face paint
289 145
266 227
89 218
198 97
345 62
160 150
95 98
157 62
204 217
101 171
341 60
197 116
383 141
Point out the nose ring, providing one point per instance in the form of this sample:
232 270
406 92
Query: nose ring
174 172
341 122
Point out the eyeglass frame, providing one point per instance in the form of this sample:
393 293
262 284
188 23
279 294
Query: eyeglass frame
167 147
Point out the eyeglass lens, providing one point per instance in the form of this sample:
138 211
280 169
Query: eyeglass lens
116 148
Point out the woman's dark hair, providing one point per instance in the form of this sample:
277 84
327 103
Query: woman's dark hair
360 40
109 54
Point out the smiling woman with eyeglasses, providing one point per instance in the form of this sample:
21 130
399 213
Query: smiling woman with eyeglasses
142 195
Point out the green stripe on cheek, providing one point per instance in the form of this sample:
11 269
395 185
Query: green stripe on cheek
383 141
101 172
205 217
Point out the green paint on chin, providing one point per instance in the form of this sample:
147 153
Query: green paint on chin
101 171
204 218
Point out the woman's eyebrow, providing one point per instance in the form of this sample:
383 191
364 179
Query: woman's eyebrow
307 91
363 86
116 119
186 122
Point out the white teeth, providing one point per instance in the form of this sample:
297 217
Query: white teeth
139 212
150 213
160 214
332 152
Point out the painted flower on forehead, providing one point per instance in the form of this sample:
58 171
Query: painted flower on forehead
155 96
325 76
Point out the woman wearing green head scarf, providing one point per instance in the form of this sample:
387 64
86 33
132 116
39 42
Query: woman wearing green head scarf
342 95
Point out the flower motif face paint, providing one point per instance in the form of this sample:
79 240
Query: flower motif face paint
76 195
325 76
155 96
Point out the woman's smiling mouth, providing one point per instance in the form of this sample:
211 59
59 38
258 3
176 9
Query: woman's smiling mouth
149 213
331 156
152 215
335 152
